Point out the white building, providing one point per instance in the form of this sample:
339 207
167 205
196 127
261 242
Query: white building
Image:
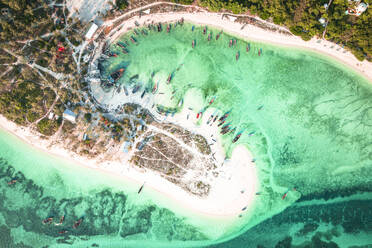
93 28
358 9
69 115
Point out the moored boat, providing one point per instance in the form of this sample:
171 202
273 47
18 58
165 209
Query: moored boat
236 138
117 75
248 47
237 56
169 78
193 43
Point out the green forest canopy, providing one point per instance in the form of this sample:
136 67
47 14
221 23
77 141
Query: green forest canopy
302 18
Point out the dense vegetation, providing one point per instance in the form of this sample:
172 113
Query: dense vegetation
302 18
34 37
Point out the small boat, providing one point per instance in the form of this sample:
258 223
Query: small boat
224 116
198 115
136 23
248 47
47 220
235 42
60 221
13 181
260 107
205 30
209 36
149 27
155 88
230 43
62 232
126 91
237 56
168 28
77 223
118 90
136 88
134 77
136 31
232 130
192 28
117 75
152 74
169 78
212 100
193 43
181 21
217 36
143 93
160 28
120 44
180 103
215 118
144 32
133 40
111 54
251 133
259 52
237 137
125 51
222 122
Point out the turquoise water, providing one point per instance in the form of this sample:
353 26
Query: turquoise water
313 132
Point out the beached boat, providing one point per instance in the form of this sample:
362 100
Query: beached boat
155 88
143 93
126 91
136 88
180 103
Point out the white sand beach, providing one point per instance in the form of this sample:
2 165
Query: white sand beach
225 199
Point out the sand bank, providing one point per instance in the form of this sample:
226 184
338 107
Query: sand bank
225 200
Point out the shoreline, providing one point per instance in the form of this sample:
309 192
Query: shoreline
207 207
253 33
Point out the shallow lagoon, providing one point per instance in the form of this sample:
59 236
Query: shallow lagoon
313 133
